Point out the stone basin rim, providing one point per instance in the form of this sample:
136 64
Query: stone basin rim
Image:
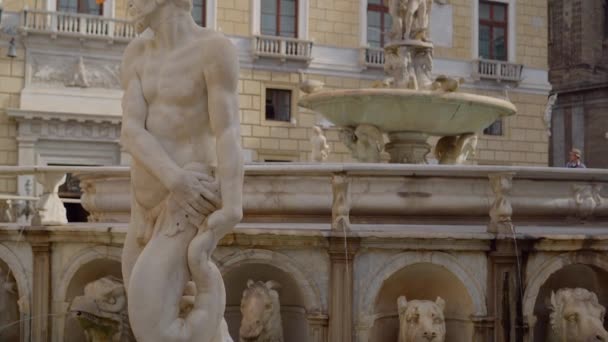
324 95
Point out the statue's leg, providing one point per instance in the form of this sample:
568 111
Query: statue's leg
157 284
409 18
132 247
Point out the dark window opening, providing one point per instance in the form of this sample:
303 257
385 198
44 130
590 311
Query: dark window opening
80 6
199 12
280 18
494 129
493 29
378 23
278 105
277 161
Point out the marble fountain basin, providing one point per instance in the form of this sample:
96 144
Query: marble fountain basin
403 110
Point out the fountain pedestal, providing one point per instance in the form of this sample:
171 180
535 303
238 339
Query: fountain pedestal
408 147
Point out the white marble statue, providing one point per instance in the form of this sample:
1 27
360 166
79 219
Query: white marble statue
576 316
261 311
421 320
102 311
181 126
547 118
9 310
411 19
320 148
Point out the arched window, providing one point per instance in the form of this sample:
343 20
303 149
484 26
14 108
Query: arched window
378 23
199 12
280 18
80 6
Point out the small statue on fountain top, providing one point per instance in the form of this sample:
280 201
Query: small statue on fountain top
411 19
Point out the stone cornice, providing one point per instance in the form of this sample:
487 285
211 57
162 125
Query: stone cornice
21 114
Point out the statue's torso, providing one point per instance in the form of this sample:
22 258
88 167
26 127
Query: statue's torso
176 93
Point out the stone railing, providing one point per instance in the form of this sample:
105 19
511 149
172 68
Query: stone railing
497 70
368 197
360 197
282 48
372 57
46 208
76 25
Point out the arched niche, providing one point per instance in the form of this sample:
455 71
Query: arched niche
10 329
437 266
574 270
293 308
300 297
89 267
423 281
14 271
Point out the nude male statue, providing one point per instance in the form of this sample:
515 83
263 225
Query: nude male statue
410 18
181 126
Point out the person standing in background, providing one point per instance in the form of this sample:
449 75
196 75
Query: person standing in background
575 161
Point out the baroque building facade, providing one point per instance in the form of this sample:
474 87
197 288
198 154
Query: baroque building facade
61 93
578 60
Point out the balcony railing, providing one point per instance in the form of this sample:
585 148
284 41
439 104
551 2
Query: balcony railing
372 57
76 25
497 70
282 48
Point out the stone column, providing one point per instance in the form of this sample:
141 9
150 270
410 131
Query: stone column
41 288
341 252
483 328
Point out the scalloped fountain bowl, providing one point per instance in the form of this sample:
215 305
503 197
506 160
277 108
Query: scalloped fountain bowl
400 110
408 116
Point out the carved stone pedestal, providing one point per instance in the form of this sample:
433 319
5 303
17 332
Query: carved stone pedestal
408 147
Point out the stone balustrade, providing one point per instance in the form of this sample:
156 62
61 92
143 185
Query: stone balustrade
372 57
485 69
282 48
76 25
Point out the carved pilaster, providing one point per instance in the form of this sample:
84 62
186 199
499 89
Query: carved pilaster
340 211
41 291
341 252
501 210
317 327
483 328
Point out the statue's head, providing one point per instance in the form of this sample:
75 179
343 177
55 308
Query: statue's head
143 11
421 320
259 308
577 316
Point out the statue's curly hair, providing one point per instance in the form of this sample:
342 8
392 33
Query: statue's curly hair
558 300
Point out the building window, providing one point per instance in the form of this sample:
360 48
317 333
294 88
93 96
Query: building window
80 6
494 129
280 18
199 12
278 105
493 28
378 23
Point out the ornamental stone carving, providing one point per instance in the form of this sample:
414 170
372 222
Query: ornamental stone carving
340 210
421 320
102 311
320 148
576 316
261 311
365 142
74 71
455 150
587 198
501 210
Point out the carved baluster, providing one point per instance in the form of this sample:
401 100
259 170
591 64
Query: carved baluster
51 210
501 210
586 199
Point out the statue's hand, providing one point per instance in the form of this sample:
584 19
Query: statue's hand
197 194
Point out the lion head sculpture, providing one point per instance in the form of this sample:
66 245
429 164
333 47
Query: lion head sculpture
576 316
421 320
261 311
